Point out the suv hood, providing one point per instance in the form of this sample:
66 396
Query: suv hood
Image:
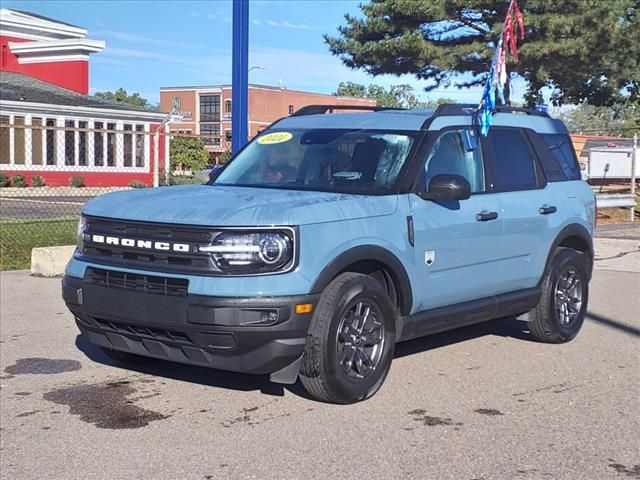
237 206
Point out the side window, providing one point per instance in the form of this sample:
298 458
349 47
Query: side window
562 149
457 152
515 169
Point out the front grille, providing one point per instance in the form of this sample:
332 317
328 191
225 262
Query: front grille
191 261
137 282
142 331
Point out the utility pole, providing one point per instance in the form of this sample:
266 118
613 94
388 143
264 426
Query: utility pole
240 75
634 161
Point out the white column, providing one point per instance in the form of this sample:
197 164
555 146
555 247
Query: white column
119 145
147 147
76 141
104 144
90 153
167 139
61 148
28 147
12 146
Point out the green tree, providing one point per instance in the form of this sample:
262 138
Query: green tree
396 96
122 96
188 153
619 119
586 51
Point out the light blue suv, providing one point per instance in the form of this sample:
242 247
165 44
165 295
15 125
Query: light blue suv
333 236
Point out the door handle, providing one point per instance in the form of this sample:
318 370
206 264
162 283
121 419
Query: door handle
547 209
486 216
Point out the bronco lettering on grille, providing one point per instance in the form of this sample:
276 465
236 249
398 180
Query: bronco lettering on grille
144 244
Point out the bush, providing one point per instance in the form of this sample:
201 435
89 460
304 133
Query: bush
4 180
18 181
37 181
76 181
137 184
188 153
224 157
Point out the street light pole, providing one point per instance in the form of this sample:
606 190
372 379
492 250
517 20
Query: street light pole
254 67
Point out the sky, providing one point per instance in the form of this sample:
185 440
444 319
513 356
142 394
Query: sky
153 44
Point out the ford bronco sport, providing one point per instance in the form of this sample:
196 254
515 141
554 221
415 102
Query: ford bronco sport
332 236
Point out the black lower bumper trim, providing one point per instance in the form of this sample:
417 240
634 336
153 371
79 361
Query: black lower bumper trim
250 335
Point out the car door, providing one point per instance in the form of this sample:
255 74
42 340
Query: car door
529 207
458 244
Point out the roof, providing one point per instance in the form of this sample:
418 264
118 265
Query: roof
23 88
413 120
42 17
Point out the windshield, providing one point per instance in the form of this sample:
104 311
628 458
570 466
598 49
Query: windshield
350 161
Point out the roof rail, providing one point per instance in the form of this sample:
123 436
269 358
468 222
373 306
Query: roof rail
321 109
447 109
528 111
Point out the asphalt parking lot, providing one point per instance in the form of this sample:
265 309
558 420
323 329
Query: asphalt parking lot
482 402
25 208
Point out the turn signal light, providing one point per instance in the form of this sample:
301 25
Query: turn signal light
304 308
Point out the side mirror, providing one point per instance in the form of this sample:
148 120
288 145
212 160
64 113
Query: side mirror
447 187
216 170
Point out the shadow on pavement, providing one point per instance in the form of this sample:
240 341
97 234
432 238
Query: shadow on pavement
502 327
186 373
613 324
505 327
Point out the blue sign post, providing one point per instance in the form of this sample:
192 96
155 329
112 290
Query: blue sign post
240 75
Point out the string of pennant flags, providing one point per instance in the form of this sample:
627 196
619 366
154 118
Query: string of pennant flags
498 77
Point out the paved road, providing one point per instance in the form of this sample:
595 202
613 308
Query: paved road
20 208
480 403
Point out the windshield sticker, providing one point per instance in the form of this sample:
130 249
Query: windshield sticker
276 137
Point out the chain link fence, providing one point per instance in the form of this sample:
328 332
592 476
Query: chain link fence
50 167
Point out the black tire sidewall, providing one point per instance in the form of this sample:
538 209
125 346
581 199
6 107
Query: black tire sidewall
564 258
344 387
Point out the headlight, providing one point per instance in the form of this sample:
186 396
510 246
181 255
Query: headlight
82 224
252 252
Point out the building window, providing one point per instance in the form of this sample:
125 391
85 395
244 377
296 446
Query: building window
227 135
82 143
128 146
98 144
18 141
69 143
111 145
51 142
36 141
5 140
290 109
210 108
227 107
140 137
210 133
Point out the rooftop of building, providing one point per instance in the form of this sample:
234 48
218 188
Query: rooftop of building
18 87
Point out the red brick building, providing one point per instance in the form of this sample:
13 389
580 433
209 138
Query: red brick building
49 126
206 110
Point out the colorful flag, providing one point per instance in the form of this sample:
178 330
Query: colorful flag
498 76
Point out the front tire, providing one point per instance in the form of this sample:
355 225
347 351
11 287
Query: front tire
563 304
350 342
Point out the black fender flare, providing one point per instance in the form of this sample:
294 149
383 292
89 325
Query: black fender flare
573 230
369 253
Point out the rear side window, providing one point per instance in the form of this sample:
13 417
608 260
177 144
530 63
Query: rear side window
561 148
515 168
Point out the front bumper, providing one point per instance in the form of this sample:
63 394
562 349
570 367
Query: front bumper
251 335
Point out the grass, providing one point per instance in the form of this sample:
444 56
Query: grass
18 237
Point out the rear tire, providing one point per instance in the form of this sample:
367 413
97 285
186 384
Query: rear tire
563 304
126 357
350 342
